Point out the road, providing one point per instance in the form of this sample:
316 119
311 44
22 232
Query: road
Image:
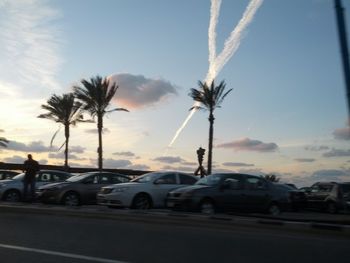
43 238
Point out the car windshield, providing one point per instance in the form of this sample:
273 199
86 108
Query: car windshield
284 187
210 180
146 178
18 177
79 177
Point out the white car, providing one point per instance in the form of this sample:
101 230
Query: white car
147 191
11 190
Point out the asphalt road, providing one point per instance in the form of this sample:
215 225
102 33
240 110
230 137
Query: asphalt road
51 238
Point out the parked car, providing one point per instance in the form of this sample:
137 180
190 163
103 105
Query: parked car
79 189
329 196
144 192
297 197
7 174
230 192
12 189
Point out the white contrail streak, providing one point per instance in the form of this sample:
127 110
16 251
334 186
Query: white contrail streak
230 47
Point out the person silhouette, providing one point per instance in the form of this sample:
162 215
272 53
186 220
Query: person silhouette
30 168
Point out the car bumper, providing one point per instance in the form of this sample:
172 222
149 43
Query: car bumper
116 200
47 197
183 204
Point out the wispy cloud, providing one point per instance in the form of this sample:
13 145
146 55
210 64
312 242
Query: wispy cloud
30 41
305 160
337 153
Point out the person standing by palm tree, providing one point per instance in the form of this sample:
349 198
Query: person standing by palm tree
66 110
210 98
96 96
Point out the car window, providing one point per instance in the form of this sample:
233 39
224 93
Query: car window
254 183
233 183
321 188
104 178
116 179
92 179
186 179
166 179
44 177
56 177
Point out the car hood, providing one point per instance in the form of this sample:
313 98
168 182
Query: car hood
131 184
47 186
191 188
10 181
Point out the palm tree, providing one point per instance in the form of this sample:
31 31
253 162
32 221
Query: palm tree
3 142
210 99
66 110
96 96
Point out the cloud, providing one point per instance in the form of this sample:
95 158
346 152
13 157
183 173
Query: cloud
30 43
168 159
342 134
35 146
137 91
14 159
60 155
95 131
246 144
330 174
141 167
189 163
304 160
1 130
112 163
126 154
337 153
76 149
185 169
316 148
237 164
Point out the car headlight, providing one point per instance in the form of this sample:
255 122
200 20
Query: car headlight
120 189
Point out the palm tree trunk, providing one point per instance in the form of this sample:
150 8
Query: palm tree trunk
66 133
210 146
100 127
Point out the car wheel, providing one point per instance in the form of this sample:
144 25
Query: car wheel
12 196
207 207
71 199
274 209
332 208
142 201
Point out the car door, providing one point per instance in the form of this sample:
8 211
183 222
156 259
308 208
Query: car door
162 186
95 183
42 178
230 193
258 194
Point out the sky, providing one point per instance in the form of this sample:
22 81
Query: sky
286 115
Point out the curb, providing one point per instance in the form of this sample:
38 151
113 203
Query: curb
176 218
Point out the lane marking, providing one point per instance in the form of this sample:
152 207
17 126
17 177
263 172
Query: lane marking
61 254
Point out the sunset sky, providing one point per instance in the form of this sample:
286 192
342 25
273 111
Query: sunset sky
287 113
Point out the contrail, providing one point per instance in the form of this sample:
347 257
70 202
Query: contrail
230 47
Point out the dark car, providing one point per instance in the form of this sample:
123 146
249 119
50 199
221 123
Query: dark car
79 189
6 174
329 196
297 198
230 192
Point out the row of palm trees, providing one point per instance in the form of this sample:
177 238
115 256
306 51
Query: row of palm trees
94 97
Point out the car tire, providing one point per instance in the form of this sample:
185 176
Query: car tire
71 199
142 202
207 207
274 209
12 196
332 208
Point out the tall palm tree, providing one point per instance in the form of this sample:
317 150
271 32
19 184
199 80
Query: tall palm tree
96 96
66 110
210 98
